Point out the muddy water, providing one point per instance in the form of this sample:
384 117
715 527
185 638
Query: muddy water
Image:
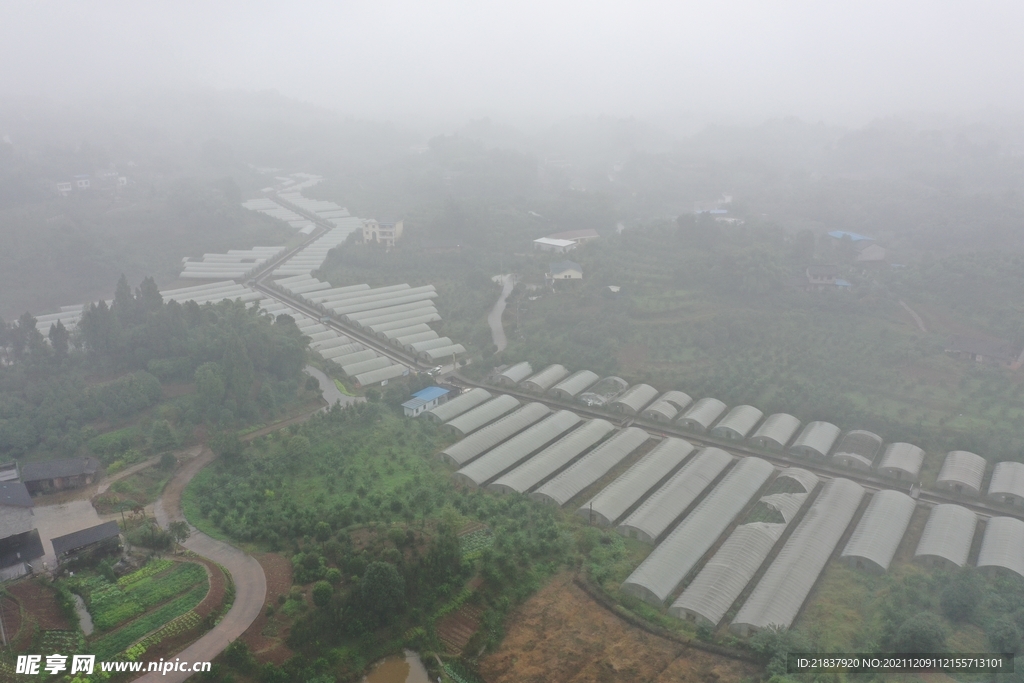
398 669
84 618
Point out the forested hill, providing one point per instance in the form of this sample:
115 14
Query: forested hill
55 397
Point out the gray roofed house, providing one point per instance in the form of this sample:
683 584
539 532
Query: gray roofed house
737 423
57 475
16 517
86 538
858 450
962 473
980 350
775 432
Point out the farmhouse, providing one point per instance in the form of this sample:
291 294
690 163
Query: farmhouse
565 270
384 232
424 400
556 246
102 537
57 475
19 541
576 236
980 350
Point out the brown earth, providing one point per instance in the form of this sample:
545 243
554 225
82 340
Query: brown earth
266 636
457 628
561 634
40 604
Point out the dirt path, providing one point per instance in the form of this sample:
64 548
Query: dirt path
330 390
915 316
245 571
494 317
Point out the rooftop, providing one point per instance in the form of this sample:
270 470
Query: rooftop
547 241
14 494
80 539
570 235
53 469
563 266
430 393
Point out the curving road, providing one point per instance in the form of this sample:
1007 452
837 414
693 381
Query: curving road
494 317
330 390
247 574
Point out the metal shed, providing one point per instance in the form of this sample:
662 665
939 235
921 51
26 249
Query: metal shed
515 374
708 598
520 447
785 585
879 532
553 458
668 564
1003 545
656 514
1007 484
816 440
572 385
484 414
946 540
667 407
700 416
545 379
961 473
591 467
901 461
458 405
737 423
633 401
614 500
460 453
775 432
858 450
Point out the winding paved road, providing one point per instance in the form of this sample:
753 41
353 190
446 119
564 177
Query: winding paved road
246 572
494 317
330 390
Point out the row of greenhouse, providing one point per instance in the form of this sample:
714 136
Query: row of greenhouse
235 264
684 500
397 314
69 316
271 208
364 365
962 472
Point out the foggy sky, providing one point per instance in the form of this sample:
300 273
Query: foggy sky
843 62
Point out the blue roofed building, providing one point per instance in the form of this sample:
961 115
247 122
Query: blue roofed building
425 399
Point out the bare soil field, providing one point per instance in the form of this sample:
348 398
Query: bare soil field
561 634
